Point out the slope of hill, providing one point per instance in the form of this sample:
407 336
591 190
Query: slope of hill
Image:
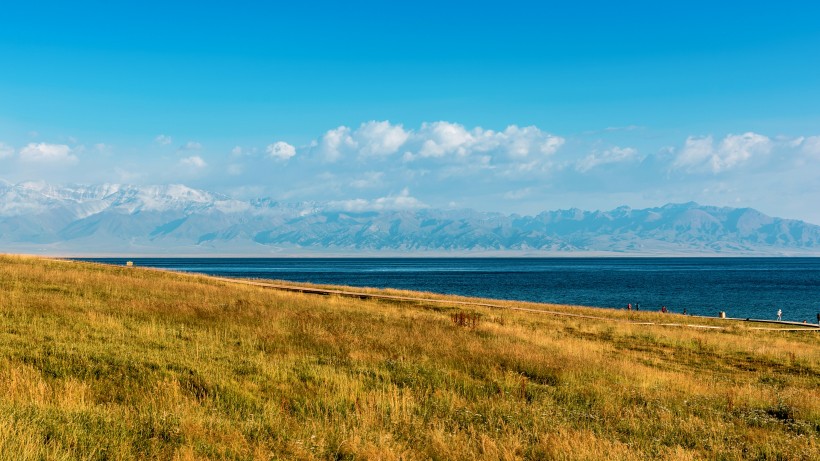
39 218
100 362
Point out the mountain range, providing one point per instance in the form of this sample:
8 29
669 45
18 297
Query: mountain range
37 217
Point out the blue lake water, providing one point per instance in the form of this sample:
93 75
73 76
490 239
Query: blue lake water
743 287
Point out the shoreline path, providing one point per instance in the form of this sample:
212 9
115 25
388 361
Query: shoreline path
362 295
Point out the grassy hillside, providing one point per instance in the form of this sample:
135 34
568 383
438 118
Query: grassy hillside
113 363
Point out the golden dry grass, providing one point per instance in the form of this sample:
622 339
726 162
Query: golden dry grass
100 362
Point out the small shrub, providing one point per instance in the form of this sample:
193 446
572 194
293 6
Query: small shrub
465 319
781 411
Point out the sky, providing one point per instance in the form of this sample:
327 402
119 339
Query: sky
514 107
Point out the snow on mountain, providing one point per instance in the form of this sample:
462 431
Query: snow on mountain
120 219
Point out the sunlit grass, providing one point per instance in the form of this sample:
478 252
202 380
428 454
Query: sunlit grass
99 362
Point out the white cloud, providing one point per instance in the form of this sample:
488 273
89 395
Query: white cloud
695 152
334 143
439 139
790 142
380 138
281 150
552 144
700 154
47 153
194 162
403 201
6 150
191 145
236 151
163 140
370 139
435 140
737 149
613 155
810 145
522 142
442 138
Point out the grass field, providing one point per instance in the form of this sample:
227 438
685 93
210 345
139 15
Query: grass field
99 362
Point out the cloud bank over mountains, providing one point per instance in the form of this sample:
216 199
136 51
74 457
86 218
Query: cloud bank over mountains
436 140
175 219
732 152
47 153
517 168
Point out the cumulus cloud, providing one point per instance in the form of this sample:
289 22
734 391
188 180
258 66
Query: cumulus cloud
403 201
701 154
163 140
281 150
435 140
194 162
6 150
523 142
380 138
810 145
334 143
47 153
442 138
613 155
439 139
696 151
371 139
737 149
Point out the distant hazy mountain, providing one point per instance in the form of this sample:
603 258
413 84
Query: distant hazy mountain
174 219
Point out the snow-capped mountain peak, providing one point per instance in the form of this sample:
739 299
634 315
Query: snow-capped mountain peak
127 219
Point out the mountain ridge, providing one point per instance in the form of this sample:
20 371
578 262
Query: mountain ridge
37 217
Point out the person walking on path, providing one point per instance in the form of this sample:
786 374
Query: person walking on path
779 315
629 307
818 318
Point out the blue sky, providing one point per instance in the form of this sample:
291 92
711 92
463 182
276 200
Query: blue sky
503 106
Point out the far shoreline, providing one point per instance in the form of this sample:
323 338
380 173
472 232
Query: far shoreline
416 255
325 289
